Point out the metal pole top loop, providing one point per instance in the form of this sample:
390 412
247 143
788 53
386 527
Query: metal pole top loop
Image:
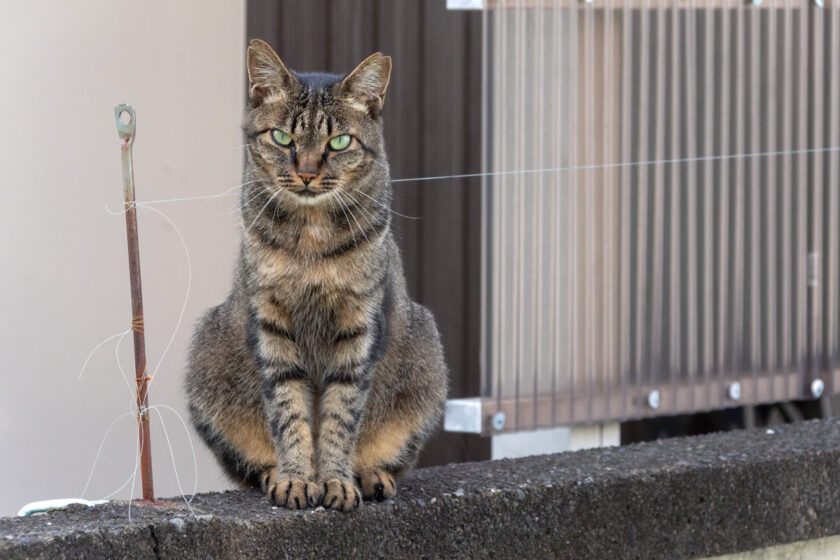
124 115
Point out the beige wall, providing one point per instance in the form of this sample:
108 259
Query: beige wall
63 67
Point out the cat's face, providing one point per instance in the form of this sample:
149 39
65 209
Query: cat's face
313 134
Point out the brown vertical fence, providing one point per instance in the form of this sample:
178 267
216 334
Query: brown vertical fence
661 234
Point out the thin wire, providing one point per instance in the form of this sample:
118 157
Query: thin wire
192 447
219 195
97 347
134 474
524 172
189 283
172 456
222 194
132 391
99 452
132 477
620 165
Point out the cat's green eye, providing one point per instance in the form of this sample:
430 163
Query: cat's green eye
281 137
340 142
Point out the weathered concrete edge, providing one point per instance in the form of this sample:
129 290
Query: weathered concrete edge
683 498
827 548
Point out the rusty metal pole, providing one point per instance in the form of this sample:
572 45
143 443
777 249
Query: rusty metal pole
126 128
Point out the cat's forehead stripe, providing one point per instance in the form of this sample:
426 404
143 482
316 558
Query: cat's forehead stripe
297 122
313 107
311 114
317 111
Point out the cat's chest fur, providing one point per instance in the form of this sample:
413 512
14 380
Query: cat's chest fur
317 294
301 267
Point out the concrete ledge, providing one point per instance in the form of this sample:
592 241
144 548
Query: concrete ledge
681 498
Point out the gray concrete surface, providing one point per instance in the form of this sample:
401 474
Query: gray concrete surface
681 498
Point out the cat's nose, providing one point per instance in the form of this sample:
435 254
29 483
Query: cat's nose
306 176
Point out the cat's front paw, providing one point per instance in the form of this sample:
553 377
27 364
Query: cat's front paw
377 485
294 493
341 494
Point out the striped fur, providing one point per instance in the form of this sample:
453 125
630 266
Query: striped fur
318 378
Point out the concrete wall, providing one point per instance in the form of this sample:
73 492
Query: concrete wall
64 279
674 499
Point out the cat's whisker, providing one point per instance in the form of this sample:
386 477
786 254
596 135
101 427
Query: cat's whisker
236 208
343 207
274 214
233 210
332 200
380 164
361 229
267 202
365 213
242 204
369 218
253 197
252 182
346 217
388 208
246 183
271 222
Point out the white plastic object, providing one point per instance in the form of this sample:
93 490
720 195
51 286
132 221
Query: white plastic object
61 503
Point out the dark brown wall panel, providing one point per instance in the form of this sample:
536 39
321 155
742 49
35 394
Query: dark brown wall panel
432 127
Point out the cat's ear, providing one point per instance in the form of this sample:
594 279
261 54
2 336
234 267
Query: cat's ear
365 86
266 73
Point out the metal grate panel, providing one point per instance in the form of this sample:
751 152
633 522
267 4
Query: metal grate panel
664 214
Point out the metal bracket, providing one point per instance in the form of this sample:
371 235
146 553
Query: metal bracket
498 421
817 388
653 399
464 4
463 415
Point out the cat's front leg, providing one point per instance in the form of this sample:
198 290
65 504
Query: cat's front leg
346 384
287 401
341 411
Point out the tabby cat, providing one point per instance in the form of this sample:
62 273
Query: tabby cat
318 378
